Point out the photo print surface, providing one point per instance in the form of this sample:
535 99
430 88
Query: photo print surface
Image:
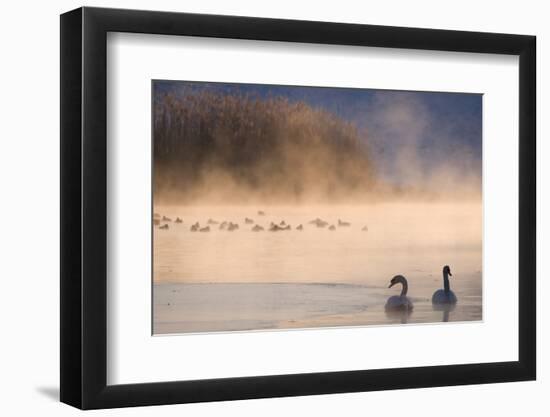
292 207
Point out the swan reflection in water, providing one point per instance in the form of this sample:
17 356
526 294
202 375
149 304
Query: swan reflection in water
446 309
399 315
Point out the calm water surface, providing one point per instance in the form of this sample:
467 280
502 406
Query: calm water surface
246 280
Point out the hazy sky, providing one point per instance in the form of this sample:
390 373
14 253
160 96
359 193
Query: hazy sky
413 135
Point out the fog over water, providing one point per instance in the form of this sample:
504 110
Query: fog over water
240 280
393 181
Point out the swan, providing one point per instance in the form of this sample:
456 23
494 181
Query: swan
399 302
445 295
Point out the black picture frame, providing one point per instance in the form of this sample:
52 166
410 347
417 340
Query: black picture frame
84 207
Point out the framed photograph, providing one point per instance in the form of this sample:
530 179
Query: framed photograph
257 208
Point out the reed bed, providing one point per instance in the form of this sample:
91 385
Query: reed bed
239 146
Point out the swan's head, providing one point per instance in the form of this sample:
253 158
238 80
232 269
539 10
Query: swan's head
398 279
447 270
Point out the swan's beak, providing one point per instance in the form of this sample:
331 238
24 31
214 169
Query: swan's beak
391 284
450 273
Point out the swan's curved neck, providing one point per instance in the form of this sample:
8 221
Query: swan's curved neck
405 288
446 283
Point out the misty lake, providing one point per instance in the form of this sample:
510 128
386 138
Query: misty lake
220 280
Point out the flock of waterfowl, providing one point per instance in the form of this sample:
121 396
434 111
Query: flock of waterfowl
162 223
401 302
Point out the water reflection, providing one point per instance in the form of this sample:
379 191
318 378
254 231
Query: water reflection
312 277
401 316
446 309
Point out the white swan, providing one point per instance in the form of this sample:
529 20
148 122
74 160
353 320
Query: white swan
445 295
399 302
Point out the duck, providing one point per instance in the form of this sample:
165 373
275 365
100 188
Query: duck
261 213
343 224
300 227
156 222
212 221
332 227
319 222
223 225
164 227
195 227
232 226
445 295
178 220
275 227
365 229
204 229
257 228
248 221
399 302
166 219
